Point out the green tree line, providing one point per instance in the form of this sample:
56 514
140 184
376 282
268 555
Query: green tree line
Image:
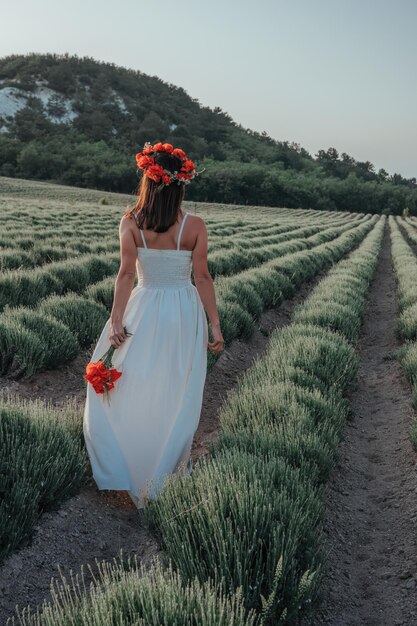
98 115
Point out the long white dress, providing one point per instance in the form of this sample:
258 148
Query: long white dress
147 430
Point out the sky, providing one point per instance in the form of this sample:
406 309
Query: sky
322 73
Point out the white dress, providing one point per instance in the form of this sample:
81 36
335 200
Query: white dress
147 430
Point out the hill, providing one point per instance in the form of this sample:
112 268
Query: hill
78 121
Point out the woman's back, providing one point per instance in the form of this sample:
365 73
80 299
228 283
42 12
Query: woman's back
161 268
181 231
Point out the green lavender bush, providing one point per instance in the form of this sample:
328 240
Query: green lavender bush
256 501
42 463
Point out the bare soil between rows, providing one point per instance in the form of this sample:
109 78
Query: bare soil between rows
371 500
96 525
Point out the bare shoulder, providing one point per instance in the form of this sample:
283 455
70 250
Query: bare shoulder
126 223
198 222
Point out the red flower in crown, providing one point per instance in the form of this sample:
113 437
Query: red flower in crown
179 153
155 172
188 166
147 150
145 161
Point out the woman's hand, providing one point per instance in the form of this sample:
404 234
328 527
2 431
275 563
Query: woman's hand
117 334
217 345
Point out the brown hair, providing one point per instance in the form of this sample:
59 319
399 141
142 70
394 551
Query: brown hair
158 209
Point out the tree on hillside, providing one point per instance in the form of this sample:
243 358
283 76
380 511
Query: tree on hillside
329 160
61 78
30 122
348 160
56 106
382 174
366 170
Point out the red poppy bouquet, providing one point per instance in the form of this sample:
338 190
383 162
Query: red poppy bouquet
101 375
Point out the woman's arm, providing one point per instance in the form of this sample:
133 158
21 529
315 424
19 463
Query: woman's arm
124 282
205 287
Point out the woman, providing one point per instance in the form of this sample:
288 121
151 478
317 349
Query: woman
160 334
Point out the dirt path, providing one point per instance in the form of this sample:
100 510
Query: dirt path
370 529
97 524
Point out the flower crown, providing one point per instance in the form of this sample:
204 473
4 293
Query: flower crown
145 160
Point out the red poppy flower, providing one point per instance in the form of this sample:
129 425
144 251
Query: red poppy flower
179 153
100 374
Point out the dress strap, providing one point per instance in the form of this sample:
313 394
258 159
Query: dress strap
143 238
180 233
140 230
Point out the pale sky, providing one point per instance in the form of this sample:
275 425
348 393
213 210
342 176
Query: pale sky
323 73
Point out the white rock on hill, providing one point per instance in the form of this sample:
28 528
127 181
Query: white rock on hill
12 99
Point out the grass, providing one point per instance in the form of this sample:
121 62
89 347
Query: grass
42 463
405 266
